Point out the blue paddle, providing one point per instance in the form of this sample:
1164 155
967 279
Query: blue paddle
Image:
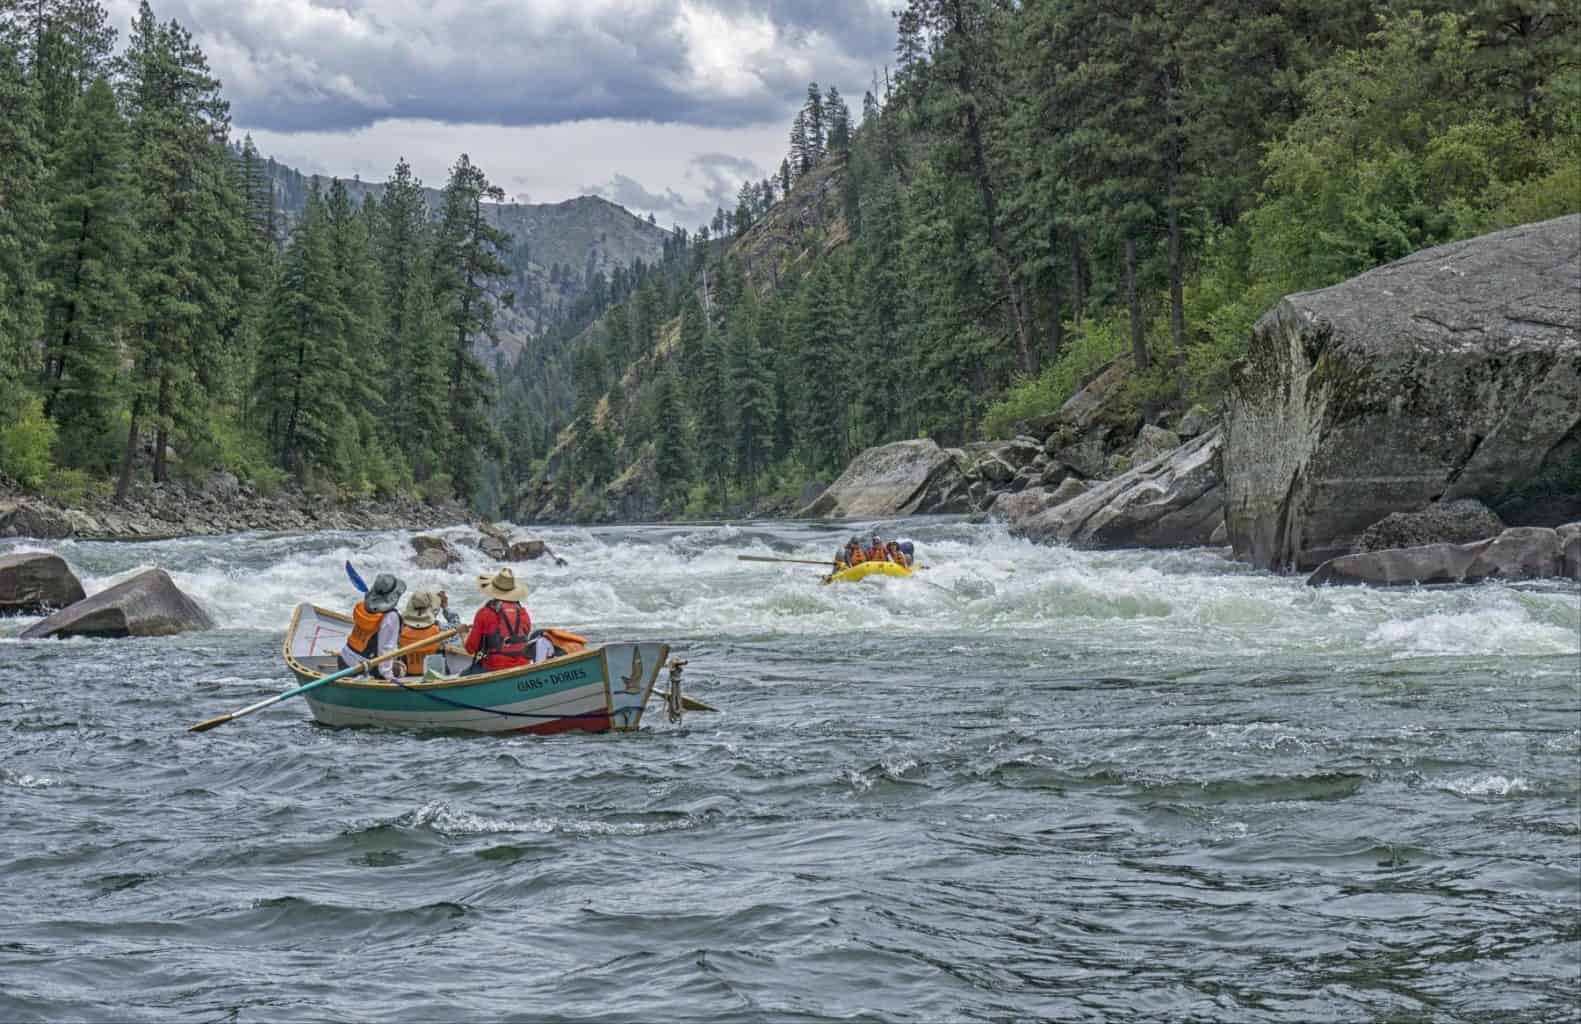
356 581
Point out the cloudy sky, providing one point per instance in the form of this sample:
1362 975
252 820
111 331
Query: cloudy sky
661 105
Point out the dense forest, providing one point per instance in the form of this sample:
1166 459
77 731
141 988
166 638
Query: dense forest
1035 189
1031 190
158 320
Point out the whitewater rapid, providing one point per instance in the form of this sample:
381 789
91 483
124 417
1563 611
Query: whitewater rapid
688 583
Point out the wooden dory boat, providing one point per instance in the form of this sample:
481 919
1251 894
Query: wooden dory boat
600 689
856 573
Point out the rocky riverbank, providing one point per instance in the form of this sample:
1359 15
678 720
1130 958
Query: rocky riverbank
221 506
1424 406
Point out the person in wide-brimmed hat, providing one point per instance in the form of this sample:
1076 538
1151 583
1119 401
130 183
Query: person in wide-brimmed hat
376 627
419 622
501 634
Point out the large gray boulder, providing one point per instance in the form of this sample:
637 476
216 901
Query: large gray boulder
34 582
434 553
890 480
1450 522
1175 500
148 604
1522 553
1452 373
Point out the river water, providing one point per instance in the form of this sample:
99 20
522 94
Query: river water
1030 783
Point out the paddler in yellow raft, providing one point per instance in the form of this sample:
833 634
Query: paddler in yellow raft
900 552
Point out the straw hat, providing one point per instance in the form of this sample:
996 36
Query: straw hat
385 593
420 610
502 586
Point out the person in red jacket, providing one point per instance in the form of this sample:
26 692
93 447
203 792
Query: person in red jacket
501 634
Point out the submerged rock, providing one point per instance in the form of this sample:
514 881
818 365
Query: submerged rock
1451 522
1522 553
148 604
1452 373
34 582
890 480
1175 500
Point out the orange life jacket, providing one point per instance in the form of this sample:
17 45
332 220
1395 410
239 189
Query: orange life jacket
858 556
364 638
565 640
876 553
411 635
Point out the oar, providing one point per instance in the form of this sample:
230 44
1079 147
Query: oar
690 703
356 581
784 561
342 674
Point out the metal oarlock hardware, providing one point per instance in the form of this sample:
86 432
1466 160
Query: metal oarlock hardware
672 701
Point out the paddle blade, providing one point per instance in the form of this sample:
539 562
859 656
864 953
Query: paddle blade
211 723
690 703
356 581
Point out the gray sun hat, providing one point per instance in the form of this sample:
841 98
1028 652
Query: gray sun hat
385 593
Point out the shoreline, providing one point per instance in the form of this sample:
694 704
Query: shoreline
175 512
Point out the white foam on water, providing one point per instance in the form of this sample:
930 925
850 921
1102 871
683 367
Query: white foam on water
689 582
447 821
23 780
1487 785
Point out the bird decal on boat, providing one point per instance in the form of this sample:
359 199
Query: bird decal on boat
634 681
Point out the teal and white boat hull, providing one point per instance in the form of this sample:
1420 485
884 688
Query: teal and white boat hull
600 689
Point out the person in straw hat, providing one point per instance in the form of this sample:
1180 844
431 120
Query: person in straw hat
501 634
376 627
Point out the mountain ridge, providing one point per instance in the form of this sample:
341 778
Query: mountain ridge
557 249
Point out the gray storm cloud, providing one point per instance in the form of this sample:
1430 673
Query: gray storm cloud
337 65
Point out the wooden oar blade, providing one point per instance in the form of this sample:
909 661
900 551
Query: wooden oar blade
211 723
690 703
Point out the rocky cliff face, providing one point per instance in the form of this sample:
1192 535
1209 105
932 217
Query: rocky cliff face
1453 373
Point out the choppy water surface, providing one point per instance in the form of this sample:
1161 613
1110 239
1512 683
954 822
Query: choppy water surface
1041 784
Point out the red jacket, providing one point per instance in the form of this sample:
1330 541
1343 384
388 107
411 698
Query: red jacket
489 624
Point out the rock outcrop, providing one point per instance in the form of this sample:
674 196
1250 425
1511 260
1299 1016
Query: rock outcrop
1453 373
1522 553
1450 522
1176 500
434 553
890 480
148 604
35 582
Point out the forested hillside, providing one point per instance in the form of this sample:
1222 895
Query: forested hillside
173 304
1036 189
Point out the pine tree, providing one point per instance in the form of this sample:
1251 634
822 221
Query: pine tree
801 152
185 281
821 325
838 116
22 213
816 125
751 379
468 259
84 267
672 457
304 364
